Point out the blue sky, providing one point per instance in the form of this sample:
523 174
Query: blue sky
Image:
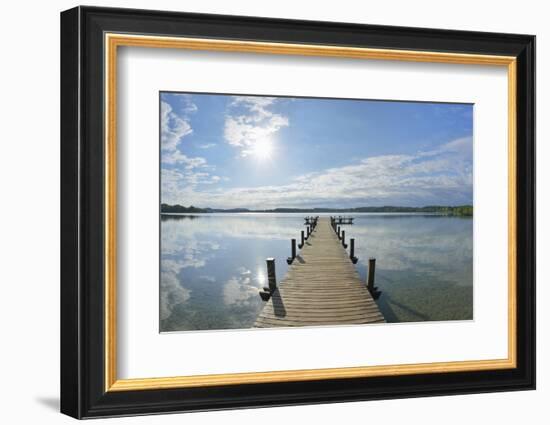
223 151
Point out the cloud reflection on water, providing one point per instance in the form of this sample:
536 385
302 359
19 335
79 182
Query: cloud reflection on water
213 266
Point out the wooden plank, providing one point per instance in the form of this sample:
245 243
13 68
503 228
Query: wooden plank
321 287
323 316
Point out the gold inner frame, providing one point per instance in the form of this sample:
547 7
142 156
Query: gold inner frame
113 41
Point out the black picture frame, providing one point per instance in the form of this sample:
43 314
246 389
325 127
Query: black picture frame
82 219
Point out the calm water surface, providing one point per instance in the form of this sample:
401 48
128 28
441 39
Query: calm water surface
213 265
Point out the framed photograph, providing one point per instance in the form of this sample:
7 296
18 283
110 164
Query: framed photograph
261 212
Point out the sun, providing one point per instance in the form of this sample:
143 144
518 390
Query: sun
262 149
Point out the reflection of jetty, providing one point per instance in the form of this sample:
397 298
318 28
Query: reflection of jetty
322 287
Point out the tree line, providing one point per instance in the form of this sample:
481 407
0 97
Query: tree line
459 210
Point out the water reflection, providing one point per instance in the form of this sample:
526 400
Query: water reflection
213 265
423 265
219 263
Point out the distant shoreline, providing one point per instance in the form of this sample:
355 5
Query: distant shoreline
458 210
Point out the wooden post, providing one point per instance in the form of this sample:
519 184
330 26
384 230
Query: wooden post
265 294
344 239
370 281
301 240
374 291
308 232
339 235
352 256
271 279
290 259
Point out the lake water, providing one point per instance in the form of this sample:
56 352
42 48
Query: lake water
213 265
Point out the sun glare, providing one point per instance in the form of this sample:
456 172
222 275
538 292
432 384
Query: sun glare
263 149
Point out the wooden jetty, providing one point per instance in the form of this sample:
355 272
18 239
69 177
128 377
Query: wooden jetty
321 287
311 220
341 220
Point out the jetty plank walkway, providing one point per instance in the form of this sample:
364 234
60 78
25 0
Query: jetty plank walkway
321 287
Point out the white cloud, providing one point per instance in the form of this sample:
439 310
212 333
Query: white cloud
190 107
173 127
178 186
176 157
189 171
255 125
462 147
207 145
442 176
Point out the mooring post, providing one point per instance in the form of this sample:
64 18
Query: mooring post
271 279
344 239
308 232
301 239
290 259
339 234
352 256
370 280
265 294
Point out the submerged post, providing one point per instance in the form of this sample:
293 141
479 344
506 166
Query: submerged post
352 256
370 280
290 259
301 240
344 239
